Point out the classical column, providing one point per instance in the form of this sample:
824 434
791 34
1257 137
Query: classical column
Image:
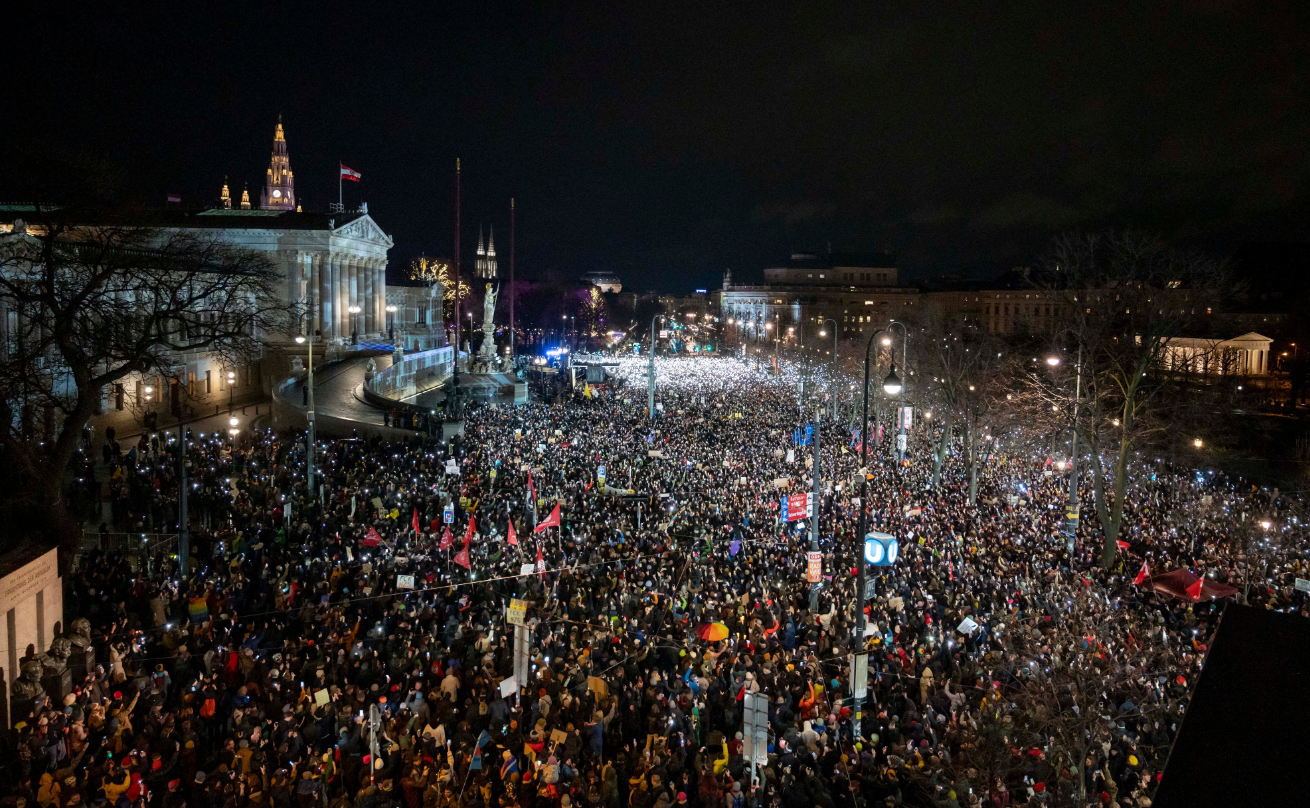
316 289
334 293
381 270
369 312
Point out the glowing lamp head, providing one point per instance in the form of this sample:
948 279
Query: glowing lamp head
300 340
892 384
1198 443
1053 361
232 422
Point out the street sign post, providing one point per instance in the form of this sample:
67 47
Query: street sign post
797 506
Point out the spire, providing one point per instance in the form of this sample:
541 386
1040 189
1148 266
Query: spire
245 199
491 243
481 249
279 183
225 197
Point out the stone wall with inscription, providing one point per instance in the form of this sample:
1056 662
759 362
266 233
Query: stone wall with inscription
31 603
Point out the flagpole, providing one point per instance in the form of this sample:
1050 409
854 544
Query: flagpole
340 199
511 279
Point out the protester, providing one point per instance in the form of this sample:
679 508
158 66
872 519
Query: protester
350 647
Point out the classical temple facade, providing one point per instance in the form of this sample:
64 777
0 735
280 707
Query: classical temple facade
333 267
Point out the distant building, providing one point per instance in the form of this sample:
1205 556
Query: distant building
418 322
485 264
1247 355
1011 303
603 281
331 262
852 291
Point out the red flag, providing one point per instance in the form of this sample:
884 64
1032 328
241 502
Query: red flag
462 557
1142 574
446 539
349 173
372 539
1194 591
436 525
541 560
415 521
513 539
549 521
1121 544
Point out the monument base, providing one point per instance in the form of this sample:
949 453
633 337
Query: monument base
450 429
81 663
57 684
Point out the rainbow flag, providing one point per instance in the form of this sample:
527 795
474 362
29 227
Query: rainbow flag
198 609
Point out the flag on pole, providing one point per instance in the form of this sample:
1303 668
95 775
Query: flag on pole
1194 591
513 539
349 173
414 522
174 197
1142 574
541 560
371 539
1121 544
462 557
532 497
549 521
446 539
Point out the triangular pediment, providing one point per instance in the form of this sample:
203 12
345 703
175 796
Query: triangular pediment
364 229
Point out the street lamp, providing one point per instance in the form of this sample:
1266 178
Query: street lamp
650 376
231 383
354 325
391 323
893 382
861 581
309 417
1072 506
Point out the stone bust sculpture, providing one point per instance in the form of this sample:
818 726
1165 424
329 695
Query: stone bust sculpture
80 636
57 656
28 685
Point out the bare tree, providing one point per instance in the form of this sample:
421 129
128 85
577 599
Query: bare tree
1124 297
89 305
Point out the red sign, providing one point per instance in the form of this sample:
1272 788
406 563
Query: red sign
814 573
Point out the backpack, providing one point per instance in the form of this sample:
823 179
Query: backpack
739 800
207 709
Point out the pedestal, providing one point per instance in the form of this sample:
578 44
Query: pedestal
450 429
80 663
520 392
20 708
57 684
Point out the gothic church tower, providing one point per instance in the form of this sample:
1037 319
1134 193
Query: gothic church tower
279 184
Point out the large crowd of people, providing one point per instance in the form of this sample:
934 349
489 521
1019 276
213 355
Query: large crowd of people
350 645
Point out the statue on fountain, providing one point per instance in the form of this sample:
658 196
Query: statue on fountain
487 352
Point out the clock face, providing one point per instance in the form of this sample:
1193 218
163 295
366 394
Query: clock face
277 194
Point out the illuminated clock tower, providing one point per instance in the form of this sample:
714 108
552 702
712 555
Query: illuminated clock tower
279 185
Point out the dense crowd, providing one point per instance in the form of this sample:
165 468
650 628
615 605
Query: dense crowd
350 646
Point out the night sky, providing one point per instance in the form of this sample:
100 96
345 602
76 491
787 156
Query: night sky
667 142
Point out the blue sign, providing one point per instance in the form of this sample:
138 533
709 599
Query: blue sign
880 549
448 514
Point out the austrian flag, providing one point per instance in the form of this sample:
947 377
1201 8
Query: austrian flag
349 173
